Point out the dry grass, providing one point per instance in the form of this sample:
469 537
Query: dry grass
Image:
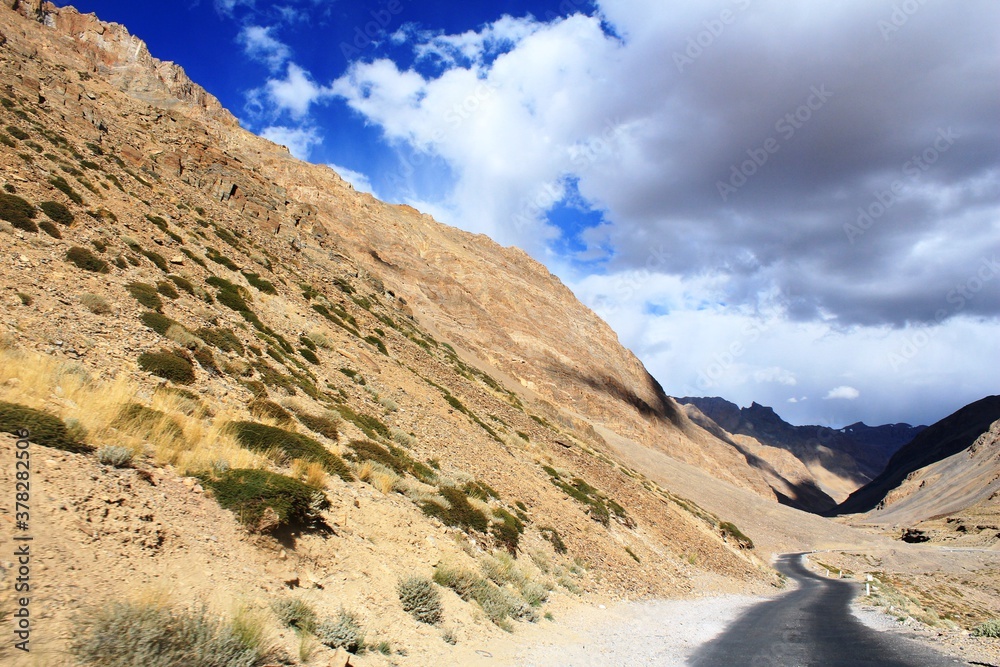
377 475
69 391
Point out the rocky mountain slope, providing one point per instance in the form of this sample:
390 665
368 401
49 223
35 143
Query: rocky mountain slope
247 382
944 485
814 466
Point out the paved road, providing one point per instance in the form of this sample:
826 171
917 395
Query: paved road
811 625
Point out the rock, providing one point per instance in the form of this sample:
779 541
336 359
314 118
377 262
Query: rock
177 260
341 658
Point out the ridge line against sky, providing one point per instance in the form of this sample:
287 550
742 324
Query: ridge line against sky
768 201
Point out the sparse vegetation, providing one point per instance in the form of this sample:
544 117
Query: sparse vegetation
115 456
263 408
324 425
420 599
295 613
57 212
173 365
125 634
158 322
731 532
167 289
86 260
146 295
222 338
989 628
343 632
458 512
50 229
552 535
263 438
45 429
599 506
264 501
148 423
18 212
60 184
261 284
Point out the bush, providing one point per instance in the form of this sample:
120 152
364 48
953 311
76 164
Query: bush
421 599
263 438
146 295
224 339
50 229
345 632
167 289
552 535
989 628
498 603
508 531
60 184
182 283
157 259
261 284
147 422
459 513
730 531
57 212
264 501
295 613
319 424
309 355
44 428
261 407
170 365
17 212
128 634
17 132
158 322
87 260
369 425
115 455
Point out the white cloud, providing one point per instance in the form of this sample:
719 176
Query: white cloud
299 140
261 45
359 181
226 7
844 392
295 93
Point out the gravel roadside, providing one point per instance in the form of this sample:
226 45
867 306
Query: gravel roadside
659 633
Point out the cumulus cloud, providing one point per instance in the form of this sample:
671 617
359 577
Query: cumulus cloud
844 392
298 140
261 45
842 210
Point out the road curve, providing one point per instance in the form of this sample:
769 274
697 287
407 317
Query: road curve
811 625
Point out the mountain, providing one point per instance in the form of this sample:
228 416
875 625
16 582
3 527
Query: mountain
949 466
243 380
830 462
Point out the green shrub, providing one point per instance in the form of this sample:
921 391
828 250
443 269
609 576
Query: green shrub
508 530
60 184
309 355
261 284
224 339
147 422
262 407
730 531
421 599
194 258
552 535
87 260
377 342
264 501
323 425
206 359
183 283
50 229
96 304
44 428
345 632
175 365
18 212
26 299
219 258
128 634
307 342
263 438
146 295
295 613
167 289
459 513
227 237
369 425
158 322
458 579
7 141
498 603
17 132
115 456
989 628
631 553
57 212
157 259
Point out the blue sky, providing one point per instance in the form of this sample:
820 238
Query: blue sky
774 200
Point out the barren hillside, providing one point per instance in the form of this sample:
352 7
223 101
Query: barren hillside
249 385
